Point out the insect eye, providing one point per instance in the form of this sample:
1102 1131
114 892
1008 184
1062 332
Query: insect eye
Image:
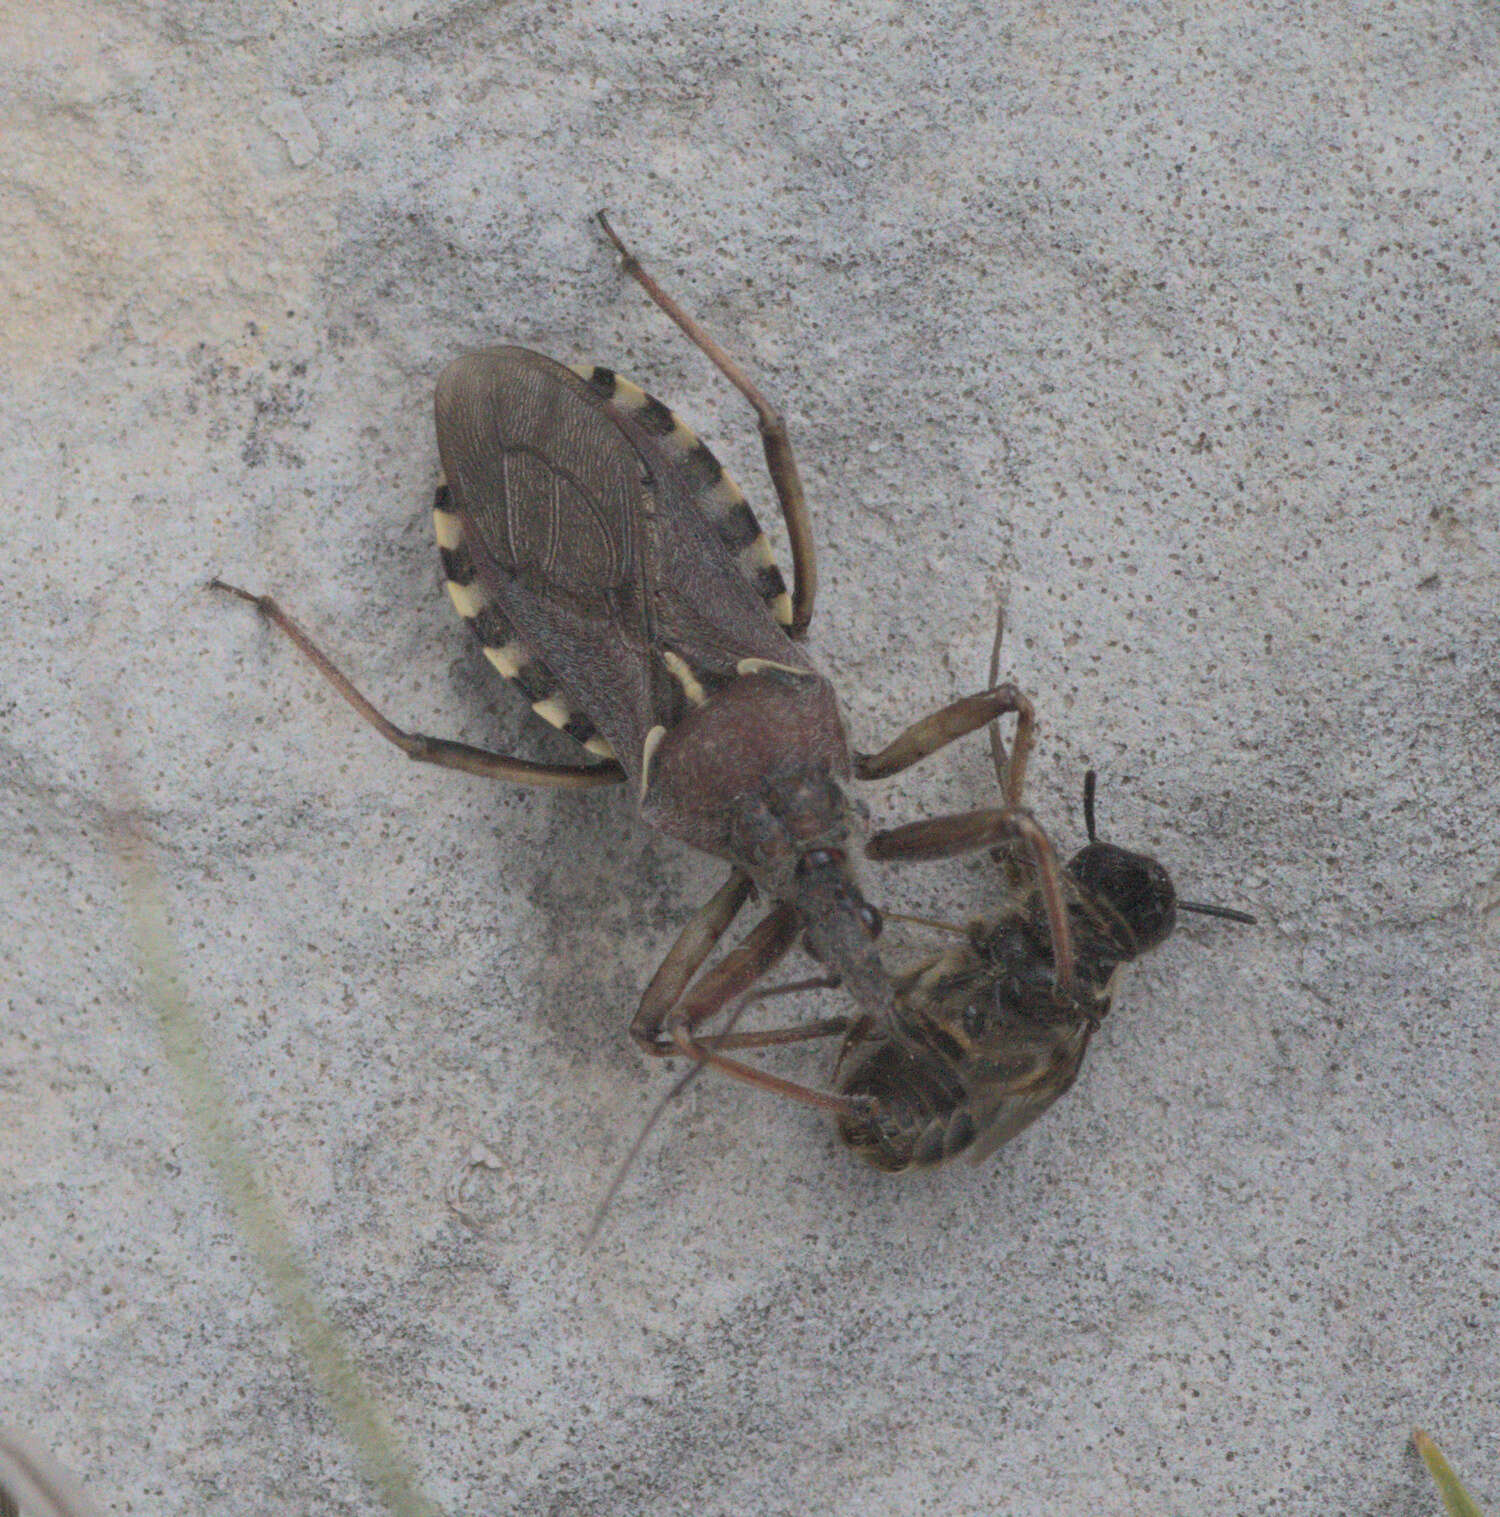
871 917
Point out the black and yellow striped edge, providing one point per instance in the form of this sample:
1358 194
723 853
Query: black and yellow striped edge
722 501
723 505
497 638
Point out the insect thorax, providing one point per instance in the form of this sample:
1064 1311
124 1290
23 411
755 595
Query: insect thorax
721 780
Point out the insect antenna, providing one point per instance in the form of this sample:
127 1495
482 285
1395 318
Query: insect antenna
596 1222
721 1039
1226 912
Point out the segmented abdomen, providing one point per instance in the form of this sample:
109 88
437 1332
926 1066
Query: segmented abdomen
713 492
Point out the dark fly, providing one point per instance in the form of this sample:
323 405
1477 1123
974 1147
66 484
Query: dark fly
985 1037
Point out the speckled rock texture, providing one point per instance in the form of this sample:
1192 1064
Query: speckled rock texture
1175 326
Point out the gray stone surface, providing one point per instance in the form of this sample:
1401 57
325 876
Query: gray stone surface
1175 323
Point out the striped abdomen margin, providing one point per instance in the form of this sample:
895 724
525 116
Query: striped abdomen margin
716 495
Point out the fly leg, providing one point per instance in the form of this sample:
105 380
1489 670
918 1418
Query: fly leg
780 463
417 745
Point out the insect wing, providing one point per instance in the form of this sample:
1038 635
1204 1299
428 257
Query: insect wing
547 502
595 579
1003 1105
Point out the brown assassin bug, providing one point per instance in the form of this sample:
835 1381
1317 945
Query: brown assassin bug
986 1035
612 570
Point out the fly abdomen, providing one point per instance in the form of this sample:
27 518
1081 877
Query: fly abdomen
917 1114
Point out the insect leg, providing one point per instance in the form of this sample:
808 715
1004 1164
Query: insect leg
776 1037
417 745
1010 768
734 974
937 730
684 959
694 944
943 837
780 463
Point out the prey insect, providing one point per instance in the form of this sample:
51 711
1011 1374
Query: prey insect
610 568
986 1036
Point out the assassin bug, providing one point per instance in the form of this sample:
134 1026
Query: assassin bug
986 1035
611 569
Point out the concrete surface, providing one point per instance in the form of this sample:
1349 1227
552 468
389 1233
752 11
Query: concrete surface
1177 324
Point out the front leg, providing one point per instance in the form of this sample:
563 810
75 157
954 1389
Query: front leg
685 958
944 837
765 945
923 738
667 1020
694 944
